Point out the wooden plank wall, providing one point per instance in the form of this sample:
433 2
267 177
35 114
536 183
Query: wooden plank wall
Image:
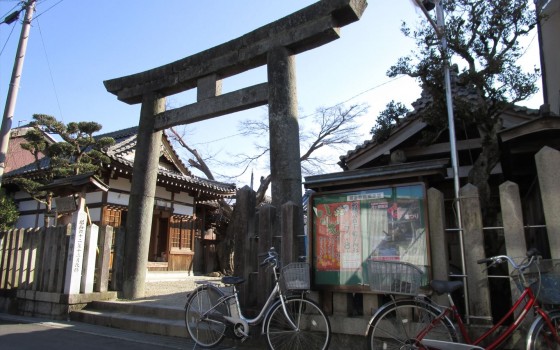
35 259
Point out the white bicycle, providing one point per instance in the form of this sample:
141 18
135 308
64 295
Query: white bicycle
289 320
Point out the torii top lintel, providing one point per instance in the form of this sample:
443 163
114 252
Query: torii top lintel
303 30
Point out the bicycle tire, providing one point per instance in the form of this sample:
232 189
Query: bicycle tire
396 324
314 329
539 336
204 331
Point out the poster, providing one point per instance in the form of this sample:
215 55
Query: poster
397 231
338 236
350 228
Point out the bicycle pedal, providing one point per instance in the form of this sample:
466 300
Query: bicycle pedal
245 335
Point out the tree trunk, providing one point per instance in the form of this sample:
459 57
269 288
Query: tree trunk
481 171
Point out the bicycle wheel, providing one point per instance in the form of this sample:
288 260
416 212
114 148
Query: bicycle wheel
541 337
202 317
396 325
313 327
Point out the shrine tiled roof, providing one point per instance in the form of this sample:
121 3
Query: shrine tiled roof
174 173
421 105
123 151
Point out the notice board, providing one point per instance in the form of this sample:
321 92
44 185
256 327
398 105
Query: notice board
349 228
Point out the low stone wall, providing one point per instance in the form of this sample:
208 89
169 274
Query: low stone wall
55 305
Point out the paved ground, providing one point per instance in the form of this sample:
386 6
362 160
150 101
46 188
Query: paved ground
170 288
162 288
27 333
30 333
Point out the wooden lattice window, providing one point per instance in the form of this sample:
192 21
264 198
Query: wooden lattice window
112 217
182 232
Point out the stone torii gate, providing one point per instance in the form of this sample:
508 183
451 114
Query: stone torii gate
275 45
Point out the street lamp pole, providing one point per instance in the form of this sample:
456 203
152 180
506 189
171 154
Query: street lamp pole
439 27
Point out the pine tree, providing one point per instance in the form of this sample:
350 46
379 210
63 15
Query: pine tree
79 152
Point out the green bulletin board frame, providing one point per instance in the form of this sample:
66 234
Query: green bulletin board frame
349 228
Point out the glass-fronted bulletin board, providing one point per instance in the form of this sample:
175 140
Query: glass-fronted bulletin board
349 228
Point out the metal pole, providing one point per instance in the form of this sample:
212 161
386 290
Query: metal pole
14 87
453 143
440 32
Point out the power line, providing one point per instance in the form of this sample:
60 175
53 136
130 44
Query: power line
47 10
10 17
50 70
10 11
7 40
314 113
358 95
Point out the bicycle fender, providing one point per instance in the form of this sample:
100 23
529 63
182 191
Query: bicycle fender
536 322
380 310
268 312
388 305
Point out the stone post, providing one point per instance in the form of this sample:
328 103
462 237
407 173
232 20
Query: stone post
118 260
477 277
90 254
547 161
243 227
141 201
438 239
285 166
102 267
267 218
512 217
76 247
290 211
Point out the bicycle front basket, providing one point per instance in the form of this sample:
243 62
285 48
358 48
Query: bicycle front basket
548 291
394 277
295 276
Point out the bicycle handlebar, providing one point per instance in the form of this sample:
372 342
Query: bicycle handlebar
271 258
531 255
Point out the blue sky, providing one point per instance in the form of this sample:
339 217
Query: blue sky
75 45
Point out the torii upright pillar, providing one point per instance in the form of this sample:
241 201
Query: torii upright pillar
285 164
141 202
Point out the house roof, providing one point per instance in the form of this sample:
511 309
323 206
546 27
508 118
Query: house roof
170 173
18 157
414 170
76 183
122 152
413 124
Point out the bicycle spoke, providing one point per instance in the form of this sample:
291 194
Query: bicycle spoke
398 326
205 331
313 329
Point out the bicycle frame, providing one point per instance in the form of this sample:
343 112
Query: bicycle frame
527 297
275 295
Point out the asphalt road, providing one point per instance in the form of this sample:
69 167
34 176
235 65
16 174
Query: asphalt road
28 334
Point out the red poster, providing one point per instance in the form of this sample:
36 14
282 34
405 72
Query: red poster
338 236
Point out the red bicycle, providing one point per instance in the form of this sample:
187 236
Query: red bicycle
419 323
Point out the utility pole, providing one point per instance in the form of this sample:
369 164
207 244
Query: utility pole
14 86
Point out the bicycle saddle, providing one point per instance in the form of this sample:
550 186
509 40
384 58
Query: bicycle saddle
442 287
232 280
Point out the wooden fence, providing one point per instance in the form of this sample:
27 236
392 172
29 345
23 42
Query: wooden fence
35 259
